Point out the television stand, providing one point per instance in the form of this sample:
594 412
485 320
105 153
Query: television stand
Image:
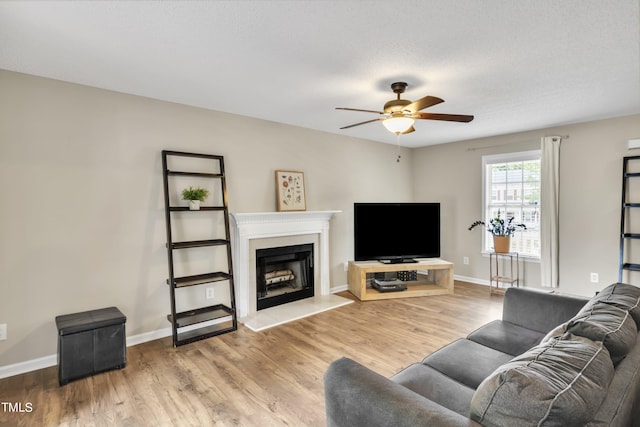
398 261
438 280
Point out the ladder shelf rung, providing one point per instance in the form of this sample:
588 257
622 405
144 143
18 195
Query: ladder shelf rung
224 314
202 208
200 174
200 279
198 155
632 205
631 235
199 243
632 267
199 315
204 333
632 175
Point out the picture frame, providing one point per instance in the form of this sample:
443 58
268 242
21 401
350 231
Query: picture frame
290 191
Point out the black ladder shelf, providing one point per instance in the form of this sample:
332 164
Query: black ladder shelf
630 203
202 321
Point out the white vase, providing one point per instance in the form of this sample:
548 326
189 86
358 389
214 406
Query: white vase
194 205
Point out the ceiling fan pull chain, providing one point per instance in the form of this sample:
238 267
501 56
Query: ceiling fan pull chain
398 145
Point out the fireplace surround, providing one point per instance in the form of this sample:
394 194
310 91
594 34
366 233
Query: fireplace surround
253 231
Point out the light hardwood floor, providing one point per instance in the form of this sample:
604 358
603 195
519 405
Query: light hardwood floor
269 378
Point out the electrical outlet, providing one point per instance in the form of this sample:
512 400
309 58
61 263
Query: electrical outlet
3 331
209 293
346 266
465 260
594 278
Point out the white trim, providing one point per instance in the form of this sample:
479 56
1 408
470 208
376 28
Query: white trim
148 336
52 360
491 159
337 289
261 225
517 156
473 280
28 366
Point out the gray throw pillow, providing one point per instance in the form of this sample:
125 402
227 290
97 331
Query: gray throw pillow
558 383
555 333
607 323
623 296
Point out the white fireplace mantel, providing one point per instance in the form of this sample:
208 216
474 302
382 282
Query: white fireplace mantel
261 225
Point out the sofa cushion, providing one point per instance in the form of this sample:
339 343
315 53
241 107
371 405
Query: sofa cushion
623 296
466 361
538 310
558 383
506 337
607 323
436 386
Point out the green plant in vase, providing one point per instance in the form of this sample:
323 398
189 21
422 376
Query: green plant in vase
502 230
195 196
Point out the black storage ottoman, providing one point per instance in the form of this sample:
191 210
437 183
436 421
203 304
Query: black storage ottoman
90 342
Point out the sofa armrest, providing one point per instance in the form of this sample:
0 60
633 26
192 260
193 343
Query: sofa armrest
537 310
357 396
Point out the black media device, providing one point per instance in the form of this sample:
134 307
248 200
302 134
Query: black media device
396 232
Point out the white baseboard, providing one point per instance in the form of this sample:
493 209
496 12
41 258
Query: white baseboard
52 360
28 366
471 280
337 289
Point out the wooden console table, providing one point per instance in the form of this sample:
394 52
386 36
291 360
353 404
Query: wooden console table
437 281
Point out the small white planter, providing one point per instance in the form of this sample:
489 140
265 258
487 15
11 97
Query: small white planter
194 205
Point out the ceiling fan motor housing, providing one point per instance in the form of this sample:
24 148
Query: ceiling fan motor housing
395 106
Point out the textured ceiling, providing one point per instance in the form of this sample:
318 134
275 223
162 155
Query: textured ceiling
514 64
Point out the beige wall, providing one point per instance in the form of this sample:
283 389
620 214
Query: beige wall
82 220
590 198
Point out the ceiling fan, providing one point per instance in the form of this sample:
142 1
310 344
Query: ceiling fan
400 114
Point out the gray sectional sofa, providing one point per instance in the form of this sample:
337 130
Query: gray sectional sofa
552 360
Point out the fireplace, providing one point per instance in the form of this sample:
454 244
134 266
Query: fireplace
284 274
262 230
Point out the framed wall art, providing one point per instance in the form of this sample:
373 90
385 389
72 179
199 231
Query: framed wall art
290 191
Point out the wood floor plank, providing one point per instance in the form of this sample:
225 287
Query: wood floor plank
244 378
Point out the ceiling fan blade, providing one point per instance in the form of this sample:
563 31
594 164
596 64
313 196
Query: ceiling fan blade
411 129
356 109
446 117
422 103
361 123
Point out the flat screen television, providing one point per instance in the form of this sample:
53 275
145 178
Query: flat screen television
396 232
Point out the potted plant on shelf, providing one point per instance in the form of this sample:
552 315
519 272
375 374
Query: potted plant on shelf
195 196
502 230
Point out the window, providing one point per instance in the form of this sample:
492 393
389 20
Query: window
512 186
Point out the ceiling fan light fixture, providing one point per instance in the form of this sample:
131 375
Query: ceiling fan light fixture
398 125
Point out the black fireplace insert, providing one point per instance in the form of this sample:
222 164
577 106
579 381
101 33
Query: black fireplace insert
284 274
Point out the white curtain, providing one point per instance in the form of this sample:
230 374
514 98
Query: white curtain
549 202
